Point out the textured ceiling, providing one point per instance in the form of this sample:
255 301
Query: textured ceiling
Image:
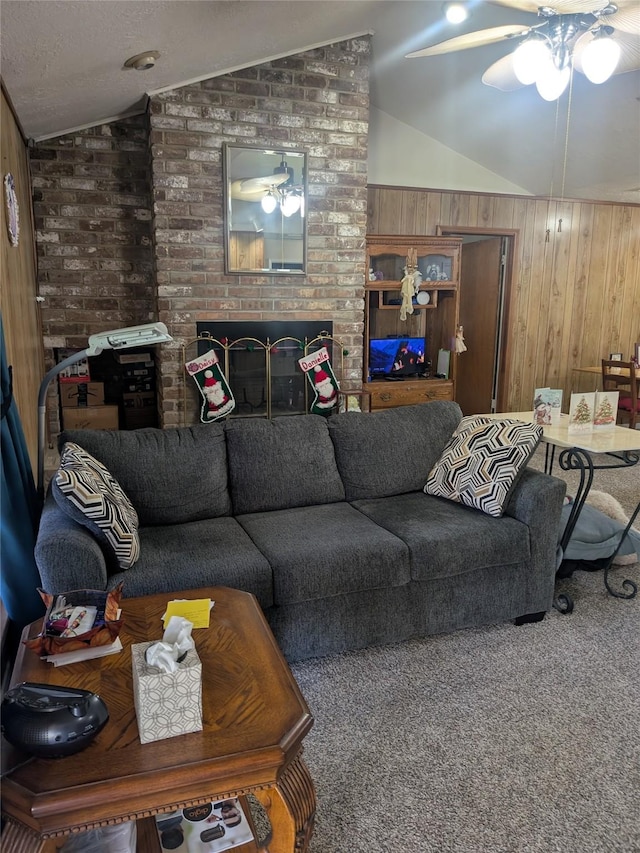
63 68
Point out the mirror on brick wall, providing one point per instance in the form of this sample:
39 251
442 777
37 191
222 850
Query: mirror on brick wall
265 197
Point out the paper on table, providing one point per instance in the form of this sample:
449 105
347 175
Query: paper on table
85 654
196 610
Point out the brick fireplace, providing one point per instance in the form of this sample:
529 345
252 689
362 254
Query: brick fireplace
129 215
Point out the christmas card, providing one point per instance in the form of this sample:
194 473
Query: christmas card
547 404
605 410
581 412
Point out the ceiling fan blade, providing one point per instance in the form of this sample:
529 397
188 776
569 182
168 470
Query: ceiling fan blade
253 189
627 18
629 52
501 75
561 7
476 39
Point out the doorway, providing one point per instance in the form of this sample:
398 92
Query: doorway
485 283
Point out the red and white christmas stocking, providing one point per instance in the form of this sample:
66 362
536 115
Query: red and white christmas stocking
217 399
317 366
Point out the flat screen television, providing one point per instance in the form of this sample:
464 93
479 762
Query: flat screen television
396 356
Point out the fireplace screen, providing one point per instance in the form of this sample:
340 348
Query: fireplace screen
262 368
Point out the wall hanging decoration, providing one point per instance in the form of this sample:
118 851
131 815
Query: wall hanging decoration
217 398
13 213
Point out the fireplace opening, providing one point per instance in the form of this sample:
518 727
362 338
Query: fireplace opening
260 361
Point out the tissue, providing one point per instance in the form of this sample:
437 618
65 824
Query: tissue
176 641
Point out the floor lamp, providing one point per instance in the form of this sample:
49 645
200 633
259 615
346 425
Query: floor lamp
134 336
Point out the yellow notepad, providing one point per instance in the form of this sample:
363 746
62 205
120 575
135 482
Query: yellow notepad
196 610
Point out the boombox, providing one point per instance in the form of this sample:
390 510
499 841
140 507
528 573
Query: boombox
50 721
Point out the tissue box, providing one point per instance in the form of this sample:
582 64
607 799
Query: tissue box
167 703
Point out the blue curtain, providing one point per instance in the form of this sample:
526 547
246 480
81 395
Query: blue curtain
19 511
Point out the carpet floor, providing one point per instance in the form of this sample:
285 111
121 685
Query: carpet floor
500 739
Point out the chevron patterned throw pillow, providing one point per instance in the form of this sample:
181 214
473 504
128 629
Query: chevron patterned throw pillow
482 462
85 490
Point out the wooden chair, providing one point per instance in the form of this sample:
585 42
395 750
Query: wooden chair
621 376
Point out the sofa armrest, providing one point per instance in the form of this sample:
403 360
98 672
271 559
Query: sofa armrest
67 554
537 502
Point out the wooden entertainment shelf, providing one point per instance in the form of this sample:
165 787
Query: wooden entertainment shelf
387 395
438 259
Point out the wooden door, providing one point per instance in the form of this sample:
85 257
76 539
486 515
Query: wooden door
480 295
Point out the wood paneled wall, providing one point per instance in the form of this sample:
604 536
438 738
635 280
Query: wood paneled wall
20 313
575 297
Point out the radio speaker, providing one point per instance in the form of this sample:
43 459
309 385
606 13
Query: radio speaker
50 721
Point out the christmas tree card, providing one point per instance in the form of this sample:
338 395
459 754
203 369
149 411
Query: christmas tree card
581 412
605 410
547 403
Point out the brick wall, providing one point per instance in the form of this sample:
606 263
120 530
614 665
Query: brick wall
92 210
104 262
317 101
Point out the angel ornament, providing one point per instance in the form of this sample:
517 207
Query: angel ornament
459 343
408 292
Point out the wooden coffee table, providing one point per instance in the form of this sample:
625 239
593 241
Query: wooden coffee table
254 721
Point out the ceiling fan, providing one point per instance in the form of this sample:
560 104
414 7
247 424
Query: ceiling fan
275 190
595 37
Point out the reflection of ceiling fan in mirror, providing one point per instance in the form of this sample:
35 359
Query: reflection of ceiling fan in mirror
594 37
253 189
277 189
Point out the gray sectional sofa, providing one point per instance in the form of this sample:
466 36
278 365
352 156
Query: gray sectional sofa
323 519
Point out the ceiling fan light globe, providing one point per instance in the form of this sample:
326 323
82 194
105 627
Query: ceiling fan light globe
552 81
528 58
456 13
600 58
269 203
290 204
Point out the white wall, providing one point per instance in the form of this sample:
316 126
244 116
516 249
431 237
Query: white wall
401 156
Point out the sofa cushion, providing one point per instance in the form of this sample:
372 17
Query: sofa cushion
482 462
281 463
392 451
85 490
447 539
171 475
323 551
213 552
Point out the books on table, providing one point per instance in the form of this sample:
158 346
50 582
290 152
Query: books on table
91 652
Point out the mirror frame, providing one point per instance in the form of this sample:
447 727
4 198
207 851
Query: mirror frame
227 177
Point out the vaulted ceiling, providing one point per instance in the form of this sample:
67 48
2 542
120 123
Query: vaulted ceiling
63 68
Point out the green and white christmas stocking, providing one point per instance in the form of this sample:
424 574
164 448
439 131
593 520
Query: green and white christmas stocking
217 399
317 366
